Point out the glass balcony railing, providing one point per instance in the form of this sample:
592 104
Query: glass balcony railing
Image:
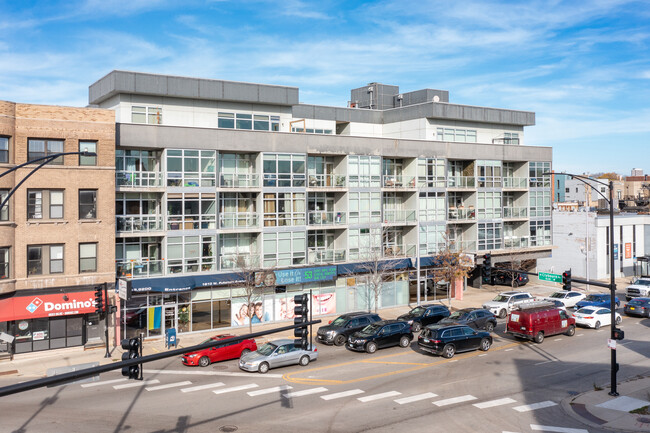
399 250
247 180
238 261
540 240
399 216
516 241
431 182
141 268
327 180
138 179
515 182
319 218
461 182
456 214
138 224
515 212
233 220
319 257
364 217
398 181
202 222
462 246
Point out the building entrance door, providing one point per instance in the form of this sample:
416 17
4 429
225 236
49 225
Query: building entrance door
170 318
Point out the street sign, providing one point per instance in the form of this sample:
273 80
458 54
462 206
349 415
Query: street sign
555 278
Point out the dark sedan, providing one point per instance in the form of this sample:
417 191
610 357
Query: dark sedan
638 307
424 315
597 300
448 340
385 333
476 318
338 330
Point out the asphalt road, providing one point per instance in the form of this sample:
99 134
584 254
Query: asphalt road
514 387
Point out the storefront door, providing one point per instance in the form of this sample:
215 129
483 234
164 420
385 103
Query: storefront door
169 313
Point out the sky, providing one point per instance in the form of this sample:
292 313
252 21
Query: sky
582 66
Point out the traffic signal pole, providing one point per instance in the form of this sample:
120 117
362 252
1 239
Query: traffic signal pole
106 314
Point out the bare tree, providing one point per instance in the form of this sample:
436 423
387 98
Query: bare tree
374 267
510 267
451 264
253 280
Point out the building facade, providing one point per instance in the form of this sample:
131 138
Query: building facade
213 177
57 234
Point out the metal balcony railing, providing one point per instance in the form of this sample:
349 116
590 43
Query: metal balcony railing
515 182
233 220
141 268
236 261
456 214
364 217
461 182
243 180
138 179
139 224
319 218
327 181
319 257
398 181
515 212
516 241
399 216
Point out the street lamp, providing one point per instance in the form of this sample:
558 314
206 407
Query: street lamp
612 281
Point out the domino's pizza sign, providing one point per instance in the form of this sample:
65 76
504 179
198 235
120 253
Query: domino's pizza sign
33 306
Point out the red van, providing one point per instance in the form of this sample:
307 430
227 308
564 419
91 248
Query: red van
536 320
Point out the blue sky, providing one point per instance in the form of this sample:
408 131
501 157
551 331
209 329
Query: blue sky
582 66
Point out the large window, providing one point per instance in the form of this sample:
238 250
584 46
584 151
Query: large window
365 207
87 146
44 259
237 170
489 174
88 257
4 212
432 239
188 254
489 205
284 170
237 210
44 204
87 204
39 148
144 114
191 168
191 211
452 134
535 171
489 236
137 168
4 263
4 149
431 173
432 206
364 171
365 243
257 122
284 249
284 209
540 233
540 203
238 249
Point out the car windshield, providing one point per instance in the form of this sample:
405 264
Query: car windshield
267 349
501 298
557 295
642 282
339 321
593 298
586 311
637 302
457 315
417 311
370 329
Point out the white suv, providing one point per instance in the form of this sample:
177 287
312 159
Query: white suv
504 303
639 288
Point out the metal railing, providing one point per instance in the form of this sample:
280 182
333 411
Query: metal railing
204 222
246 180
235 261
461 182
363 181
138 179
319 257
515 182
516 241
232 220
540 240
141 268
398 181
455 214
515 212
432 182
399 250
462 246
399 216
138 224
318 218
364 217
327 180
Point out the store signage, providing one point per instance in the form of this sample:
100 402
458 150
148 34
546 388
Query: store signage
304 275
628 250
60 304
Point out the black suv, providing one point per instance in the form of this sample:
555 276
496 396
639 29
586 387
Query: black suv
504 278
384 333
447 340
424 315
476 318
340 328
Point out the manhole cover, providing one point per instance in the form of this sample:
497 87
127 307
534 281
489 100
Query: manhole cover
228 428
644 420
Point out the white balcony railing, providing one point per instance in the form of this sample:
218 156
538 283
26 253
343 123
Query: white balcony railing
233 220
138 179
516 241
319 257
320 218
399 216
515 212
236 261
141 268
456 214
399 250
242 180
138 224
515 182
327 181
461 182
364 217
398 181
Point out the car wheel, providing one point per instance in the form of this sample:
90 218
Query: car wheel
485 344
597 325
404 341
263 368
204 361
448 351
539 337
489 326
371 347
304 360
618 320
339 340
502 314
571 331
244 352
515 284
416 326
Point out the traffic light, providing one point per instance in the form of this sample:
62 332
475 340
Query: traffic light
487 268
618 334
134 347
566 280
300 310
99 299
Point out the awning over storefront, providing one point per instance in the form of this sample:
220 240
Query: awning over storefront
53 305
186 283
363 267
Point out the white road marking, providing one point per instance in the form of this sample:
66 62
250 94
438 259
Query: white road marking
484 354
341 394
379 396
213 373
546 362
534 406
235 388
455 360
508 350
454 400
269 390
169 385
493 403
557 339
304 392
137 383
557 429
105 382
202 387
418 397
580 335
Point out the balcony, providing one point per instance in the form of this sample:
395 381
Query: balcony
516 212
320 257
142 268
515 183
462 246
327 181
248 180
138 224
319 218
237 261
516 242
398 181
364 217
204 222
399 250
399 216
461 214
138 179
432 182
238 220
461 182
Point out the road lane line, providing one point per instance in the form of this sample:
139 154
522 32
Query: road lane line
138 383
580 335
414 398
483 354
394 363
235 388
534 406
105 382
304 392
342 394
557 429
378 396
557 339
213 373
202 387
493 403
169 385
269 390
454 400
508 350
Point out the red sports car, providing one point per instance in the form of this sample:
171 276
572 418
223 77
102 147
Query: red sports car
213 354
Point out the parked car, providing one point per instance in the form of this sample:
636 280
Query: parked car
475 318
597 300
446 340
568 298
504 302
424 315
538 320
640 288
378 335
595 317
505 278
339 329
205 357
277 353
638 307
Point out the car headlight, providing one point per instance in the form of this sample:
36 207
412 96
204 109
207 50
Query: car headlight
194 355
410 322
330 333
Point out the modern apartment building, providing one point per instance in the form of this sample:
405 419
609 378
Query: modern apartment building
213 176
58 231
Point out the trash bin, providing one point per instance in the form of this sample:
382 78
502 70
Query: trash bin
170 338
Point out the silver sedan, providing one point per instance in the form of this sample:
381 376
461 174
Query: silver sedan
276 353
